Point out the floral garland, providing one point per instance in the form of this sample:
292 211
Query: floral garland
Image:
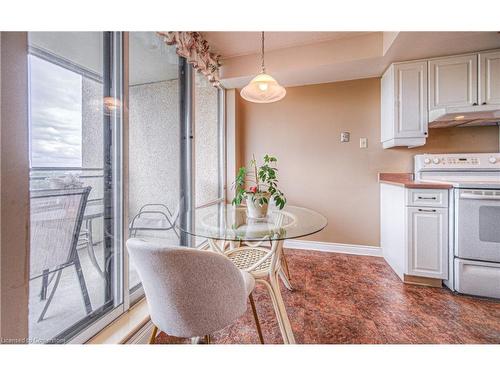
196 50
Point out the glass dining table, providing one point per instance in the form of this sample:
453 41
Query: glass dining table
256 245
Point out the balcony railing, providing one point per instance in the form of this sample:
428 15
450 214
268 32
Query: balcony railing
90 177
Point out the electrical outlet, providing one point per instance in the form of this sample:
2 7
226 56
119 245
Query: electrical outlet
345 136
363 143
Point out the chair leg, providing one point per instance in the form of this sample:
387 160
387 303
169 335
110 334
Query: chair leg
45 285
285 263
152 338
91 251
83 285
284 273
256 317
49 300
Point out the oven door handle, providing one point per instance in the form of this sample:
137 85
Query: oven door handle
480 197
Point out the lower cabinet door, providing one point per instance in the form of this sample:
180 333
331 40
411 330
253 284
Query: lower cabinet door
427 242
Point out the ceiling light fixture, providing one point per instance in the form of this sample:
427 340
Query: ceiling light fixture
263 88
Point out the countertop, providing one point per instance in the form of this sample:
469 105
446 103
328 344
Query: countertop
407 180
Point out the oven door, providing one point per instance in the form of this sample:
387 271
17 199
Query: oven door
477 230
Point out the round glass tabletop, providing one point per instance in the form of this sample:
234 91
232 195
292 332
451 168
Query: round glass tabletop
226 222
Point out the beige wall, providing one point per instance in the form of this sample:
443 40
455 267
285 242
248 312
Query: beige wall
14 195
339 179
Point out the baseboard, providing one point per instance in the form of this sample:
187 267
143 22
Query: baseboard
332 247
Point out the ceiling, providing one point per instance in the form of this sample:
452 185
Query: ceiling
238 43
293 58
302 58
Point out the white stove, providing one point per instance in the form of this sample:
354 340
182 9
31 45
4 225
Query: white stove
475 217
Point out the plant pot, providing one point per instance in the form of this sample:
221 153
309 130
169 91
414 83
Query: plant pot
254 209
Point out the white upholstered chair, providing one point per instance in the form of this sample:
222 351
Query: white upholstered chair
190 292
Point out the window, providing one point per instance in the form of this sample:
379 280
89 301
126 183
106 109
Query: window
56 115
75 277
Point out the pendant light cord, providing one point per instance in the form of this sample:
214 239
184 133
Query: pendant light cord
263 68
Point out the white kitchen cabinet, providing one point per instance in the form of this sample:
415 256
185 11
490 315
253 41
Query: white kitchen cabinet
416 93
453 82
404 105
489 78
427 242
414 234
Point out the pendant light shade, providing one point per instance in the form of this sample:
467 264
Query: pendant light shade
263 88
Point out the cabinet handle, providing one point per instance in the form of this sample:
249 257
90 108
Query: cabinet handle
484 103
474 103
423 210
427 198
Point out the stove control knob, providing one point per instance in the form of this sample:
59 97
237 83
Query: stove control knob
492 160
427 161
435 161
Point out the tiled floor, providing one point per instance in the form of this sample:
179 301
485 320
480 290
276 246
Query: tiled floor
346 299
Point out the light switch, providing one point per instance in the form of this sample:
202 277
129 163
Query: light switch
345 137
363 143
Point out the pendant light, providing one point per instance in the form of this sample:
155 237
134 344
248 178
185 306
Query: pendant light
263 88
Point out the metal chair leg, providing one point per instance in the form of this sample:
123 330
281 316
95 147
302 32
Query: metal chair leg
49 300
152 338
256 317
91 251
45 285
83 285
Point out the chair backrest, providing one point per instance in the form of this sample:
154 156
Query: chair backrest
56 218
190 292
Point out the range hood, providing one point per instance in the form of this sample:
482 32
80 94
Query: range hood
478 115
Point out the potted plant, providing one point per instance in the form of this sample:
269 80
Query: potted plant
262 187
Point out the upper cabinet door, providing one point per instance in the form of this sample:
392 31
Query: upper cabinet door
489 77
411 99
453 82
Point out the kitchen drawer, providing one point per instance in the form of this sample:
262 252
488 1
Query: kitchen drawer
427 197
477 278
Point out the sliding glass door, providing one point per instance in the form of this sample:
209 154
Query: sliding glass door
75 181
176 143
123 135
